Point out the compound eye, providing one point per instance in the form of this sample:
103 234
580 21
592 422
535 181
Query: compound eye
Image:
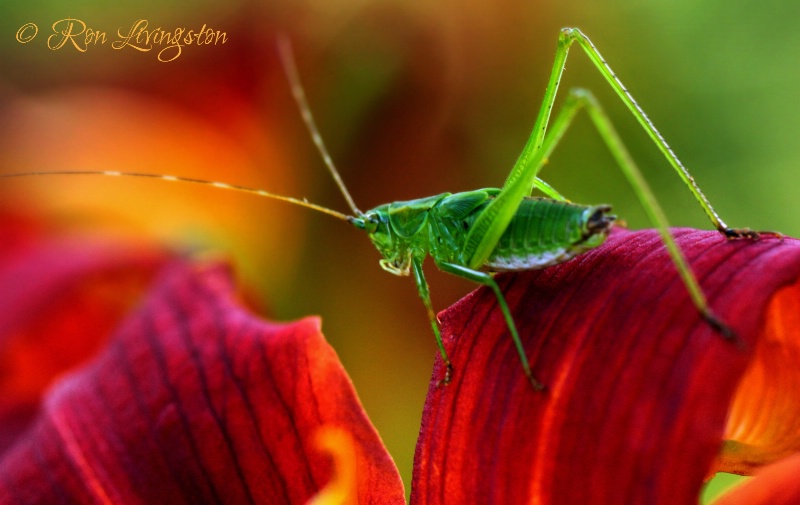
371 221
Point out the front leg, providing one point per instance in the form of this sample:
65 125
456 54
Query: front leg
747 233
424 293
487 280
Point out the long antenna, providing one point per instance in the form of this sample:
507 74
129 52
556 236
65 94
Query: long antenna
293 76
174 178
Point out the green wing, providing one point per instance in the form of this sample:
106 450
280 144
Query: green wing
408 217
460 205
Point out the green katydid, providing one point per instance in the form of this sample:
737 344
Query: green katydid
476 233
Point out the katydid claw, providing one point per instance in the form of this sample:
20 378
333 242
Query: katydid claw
748 234
537 386
448 375
724 330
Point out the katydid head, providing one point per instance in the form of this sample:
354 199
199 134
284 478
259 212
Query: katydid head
396 253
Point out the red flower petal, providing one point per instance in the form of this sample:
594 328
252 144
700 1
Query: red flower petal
60 303
196 401
16 232
638 385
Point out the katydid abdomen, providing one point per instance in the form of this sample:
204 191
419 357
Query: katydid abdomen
542 232
546 232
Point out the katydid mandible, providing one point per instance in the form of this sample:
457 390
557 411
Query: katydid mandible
476 233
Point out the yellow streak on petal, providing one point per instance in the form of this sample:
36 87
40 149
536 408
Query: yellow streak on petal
764 421
342 489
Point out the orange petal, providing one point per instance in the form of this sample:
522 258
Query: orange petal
764 421
777 484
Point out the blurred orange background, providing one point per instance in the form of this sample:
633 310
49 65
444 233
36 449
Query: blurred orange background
413 98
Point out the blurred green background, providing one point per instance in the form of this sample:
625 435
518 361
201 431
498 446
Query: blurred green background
413 98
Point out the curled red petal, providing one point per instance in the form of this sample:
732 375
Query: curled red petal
197 401
638 385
